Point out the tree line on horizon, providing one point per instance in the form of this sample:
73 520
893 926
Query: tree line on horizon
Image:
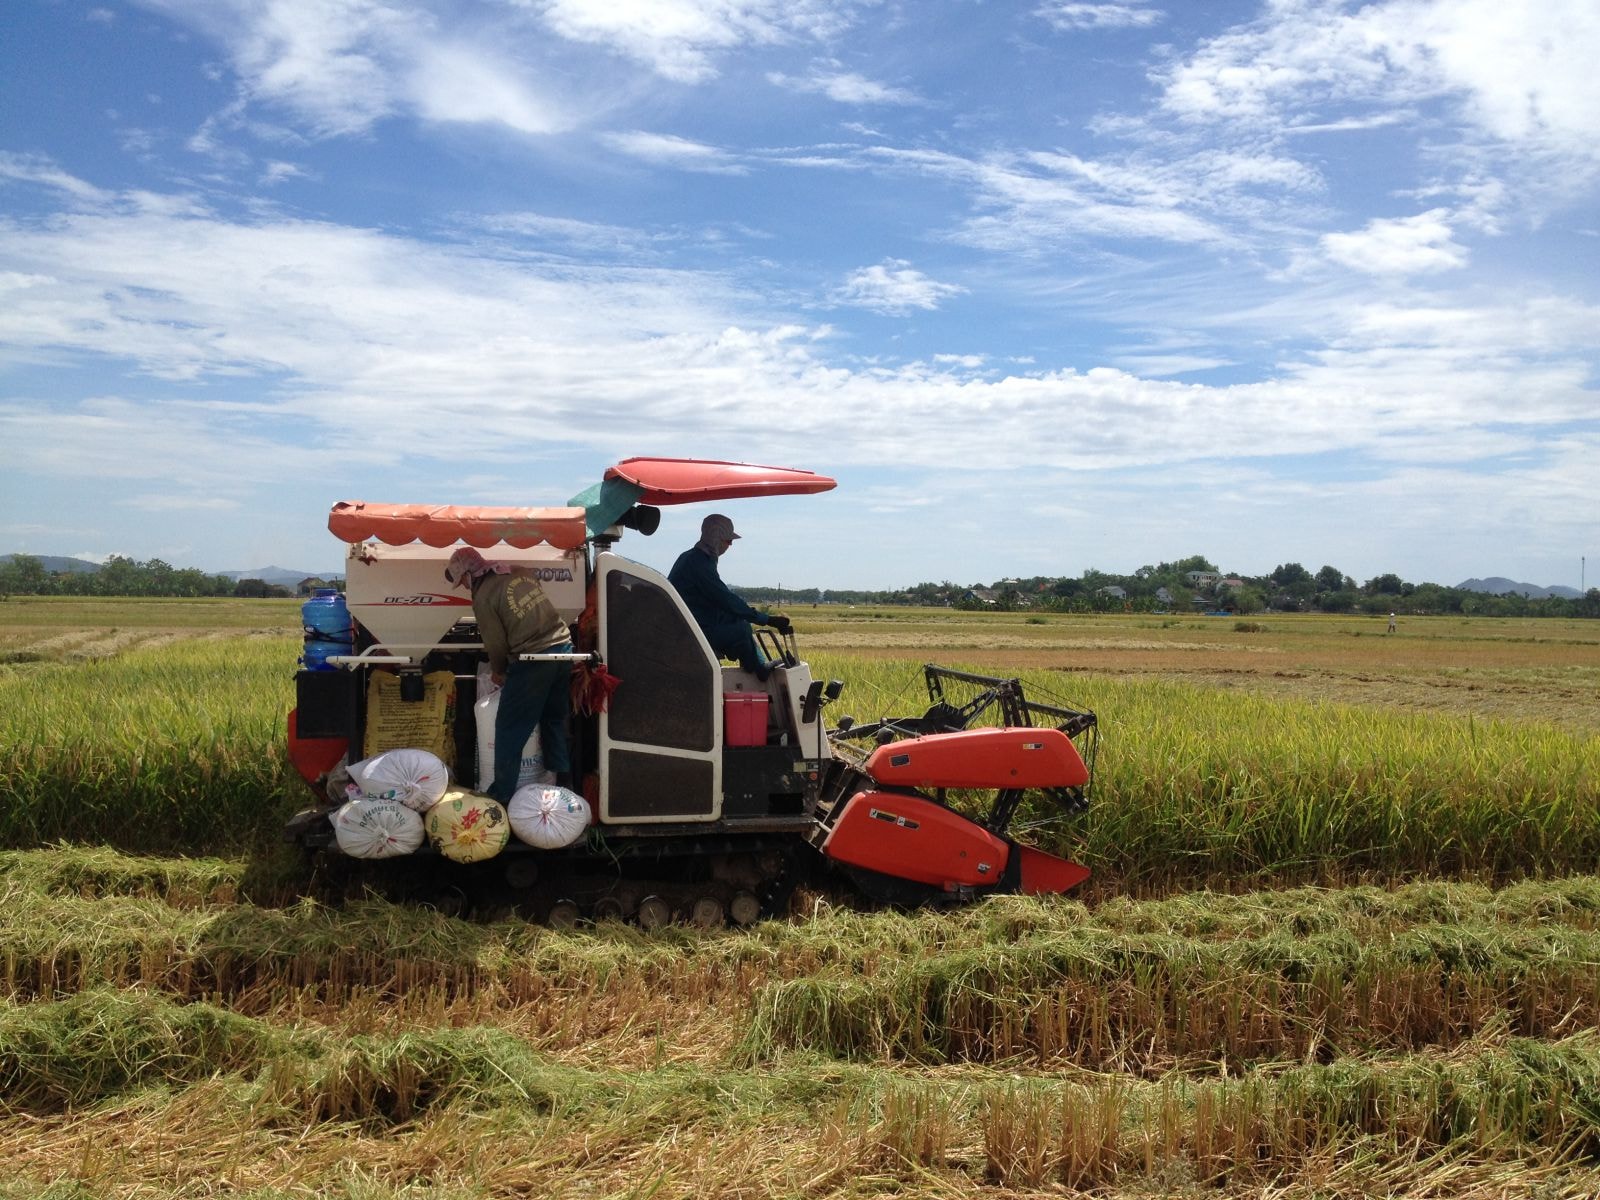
1164 587
1172 587
27 575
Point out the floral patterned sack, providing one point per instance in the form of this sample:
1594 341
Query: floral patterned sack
467 826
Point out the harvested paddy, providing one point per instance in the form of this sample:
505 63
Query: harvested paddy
1491 668
1435 1032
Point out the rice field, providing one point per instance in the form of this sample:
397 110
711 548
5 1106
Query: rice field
1343 940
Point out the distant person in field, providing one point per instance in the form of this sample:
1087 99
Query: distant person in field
1391 622
723 617
515 617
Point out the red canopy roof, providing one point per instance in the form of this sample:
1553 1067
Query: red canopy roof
686 480
444 525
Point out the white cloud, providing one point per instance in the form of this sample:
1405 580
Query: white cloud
340 66
665 149
1522 74
114 438
1071 16
1351 124
28 168
138 142
680 39
846 87
275 172
468 83
587 235
1363 520
1033 202
295 349
893 287
1163 366
29 529
162 502
1526 72
1415 245
331 63
1532 328
881 498
861 130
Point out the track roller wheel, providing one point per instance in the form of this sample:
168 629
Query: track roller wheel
563 914
522 872
654 912
708 913
609 908
745 909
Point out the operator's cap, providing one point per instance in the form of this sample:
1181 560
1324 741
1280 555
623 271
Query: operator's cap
717 526
465 563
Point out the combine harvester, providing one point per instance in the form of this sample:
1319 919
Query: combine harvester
708 794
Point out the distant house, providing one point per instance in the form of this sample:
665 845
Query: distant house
982 595
1163 596
310 584
1202 581
1114 592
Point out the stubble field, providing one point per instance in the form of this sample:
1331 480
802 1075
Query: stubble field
1341 941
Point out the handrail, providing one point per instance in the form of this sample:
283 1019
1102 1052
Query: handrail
371 656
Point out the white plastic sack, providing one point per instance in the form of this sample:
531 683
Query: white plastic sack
415 778
547 816
376 829
337 785
532 770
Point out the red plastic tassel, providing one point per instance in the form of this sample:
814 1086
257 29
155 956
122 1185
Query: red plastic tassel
592 686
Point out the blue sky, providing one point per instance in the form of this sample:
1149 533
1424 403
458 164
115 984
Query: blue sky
1046 286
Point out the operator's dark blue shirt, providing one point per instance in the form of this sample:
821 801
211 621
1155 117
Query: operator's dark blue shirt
714 606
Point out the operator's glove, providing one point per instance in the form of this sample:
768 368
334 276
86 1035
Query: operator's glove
781 623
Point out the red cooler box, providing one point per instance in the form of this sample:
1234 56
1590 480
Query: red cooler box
744 718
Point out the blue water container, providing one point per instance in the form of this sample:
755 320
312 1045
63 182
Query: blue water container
318 651
328 630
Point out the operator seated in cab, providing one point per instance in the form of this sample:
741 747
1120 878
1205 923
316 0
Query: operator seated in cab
723 617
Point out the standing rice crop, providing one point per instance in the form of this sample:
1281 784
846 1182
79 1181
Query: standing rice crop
181 747
177 747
